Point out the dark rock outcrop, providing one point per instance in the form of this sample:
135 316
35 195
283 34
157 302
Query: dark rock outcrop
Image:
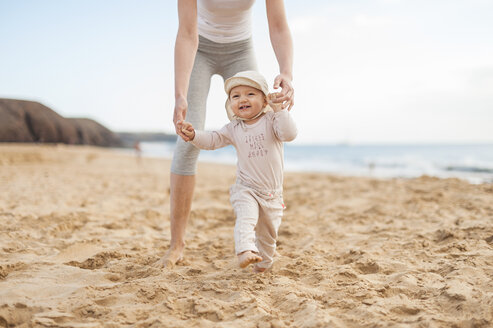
91 132
29 121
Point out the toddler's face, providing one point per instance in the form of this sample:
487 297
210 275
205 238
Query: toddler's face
246 102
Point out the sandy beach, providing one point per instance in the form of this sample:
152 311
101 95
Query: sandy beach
80 228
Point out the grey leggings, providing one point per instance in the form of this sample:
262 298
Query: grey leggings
225 59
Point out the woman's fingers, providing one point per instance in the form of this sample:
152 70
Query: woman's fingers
288 104
287 100
287 96
179 114
187 131
179 129
291 103
277 81
287 92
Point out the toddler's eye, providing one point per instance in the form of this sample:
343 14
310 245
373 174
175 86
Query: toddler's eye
235 96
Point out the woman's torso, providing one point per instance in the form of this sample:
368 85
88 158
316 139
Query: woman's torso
225 21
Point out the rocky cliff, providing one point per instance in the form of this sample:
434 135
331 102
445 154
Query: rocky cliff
29 121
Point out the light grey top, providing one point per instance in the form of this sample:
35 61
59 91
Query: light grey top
225 21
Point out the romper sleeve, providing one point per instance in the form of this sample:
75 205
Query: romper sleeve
284 126
210 140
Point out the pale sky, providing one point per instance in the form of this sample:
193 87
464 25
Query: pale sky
374 71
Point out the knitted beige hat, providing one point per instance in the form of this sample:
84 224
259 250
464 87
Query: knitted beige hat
249 78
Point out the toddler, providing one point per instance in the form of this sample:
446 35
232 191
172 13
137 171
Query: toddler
257 130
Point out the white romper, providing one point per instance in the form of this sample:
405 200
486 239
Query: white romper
257 194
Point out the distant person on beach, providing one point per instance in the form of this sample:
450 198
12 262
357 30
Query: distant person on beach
214 37
257 130
138 151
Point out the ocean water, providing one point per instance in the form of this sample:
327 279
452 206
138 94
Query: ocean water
473 162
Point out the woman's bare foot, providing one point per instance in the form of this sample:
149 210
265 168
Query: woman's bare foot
172 257
248 257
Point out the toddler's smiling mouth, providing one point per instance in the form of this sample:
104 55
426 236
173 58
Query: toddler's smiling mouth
243 107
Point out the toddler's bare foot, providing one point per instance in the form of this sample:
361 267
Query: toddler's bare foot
248 257
172 257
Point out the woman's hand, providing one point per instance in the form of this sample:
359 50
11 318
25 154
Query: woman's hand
179 114
286 96
188 130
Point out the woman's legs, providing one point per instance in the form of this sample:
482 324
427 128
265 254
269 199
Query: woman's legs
181 194
183 166
235 57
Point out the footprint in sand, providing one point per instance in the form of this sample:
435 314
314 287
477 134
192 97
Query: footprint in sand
17 315
97 261
367 267
6 269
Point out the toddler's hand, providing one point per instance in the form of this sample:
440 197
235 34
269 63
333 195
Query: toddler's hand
188 131
276 106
